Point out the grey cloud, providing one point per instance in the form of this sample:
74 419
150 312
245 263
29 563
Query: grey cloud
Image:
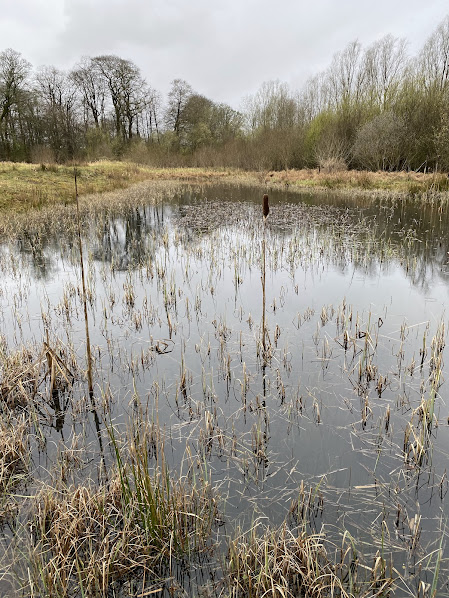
225 48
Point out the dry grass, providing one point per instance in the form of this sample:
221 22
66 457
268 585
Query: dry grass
60 218
30 371
18 376
27 186
13 458
88 541
279 563
24 186
82 540
282 563
400 182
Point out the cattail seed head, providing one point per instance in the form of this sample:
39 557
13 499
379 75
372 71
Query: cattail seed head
266 208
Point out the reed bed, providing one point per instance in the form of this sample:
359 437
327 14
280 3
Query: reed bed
30 373
18 381
281 562
143 524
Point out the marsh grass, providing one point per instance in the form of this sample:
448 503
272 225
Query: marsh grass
34 225
285 563
279 563
393 181
418 435
35 186
144 524
14 458
142 505
18 380
30 372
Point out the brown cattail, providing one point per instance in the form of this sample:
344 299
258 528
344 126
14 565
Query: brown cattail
266 208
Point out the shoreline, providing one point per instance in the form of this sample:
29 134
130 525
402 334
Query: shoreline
25 187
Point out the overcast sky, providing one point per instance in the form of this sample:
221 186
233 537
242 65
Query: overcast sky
225 49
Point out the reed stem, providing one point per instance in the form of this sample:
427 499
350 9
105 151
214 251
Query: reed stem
265 211
86 321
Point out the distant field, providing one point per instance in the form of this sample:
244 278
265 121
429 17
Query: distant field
25 186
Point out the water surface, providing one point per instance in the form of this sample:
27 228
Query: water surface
356 311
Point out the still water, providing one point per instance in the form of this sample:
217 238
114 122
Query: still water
357 291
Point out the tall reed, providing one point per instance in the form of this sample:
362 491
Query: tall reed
265 212
83 281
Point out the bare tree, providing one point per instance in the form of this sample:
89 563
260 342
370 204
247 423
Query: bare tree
272 107
345 76
14 71
91 85
314 97
127 91
178 97
434 59
58 111
384 64
151 116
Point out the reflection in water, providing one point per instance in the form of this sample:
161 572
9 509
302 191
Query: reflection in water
324 426
368 235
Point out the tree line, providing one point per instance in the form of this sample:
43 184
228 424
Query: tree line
373 108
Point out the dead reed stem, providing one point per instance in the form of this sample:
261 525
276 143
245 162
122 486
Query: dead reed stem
265 211
86 321
263 294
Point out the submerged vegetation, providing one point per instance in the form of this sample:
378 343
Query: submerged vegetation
241 440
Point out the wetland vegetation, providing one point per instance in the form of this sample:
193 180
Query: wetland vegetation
30 186
226 450
199 401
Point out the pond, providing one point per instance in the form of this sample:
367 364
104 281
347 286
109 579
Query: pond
335 420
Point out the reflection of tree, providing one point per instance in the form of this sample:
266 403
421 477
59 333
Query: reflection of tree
417 233
39 256
365 234
128 239
125 237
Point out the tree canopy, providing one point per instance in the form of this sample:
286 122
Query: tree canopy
372 108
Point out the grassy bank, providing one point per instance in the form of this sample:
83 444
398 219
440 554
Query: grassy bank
25 186
406 183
